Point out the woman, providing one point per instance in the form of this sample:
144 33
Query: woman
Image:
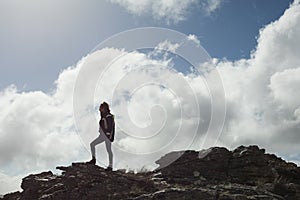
106 130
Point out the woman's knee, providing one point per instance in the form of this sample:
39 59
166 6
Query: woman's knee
92 144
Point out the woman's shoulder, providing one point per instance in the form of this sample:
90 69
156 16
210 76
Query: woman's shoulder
109 115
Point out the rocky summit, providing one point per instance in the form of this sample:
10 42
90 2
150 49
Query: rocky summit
215 173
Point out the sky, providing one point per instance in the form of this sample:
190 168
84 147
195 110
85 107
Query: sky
222 73
45 37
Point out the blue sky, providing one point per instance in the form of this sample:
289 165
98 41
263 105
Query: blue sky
51 83
41 38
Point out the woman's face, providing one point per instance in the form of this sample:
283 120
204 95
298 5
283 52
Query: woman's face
101 109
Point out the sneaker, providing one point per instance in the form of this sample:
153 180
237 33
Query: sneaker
108 169
93 161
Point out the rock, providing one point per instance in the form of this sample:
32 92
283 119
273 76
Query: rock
12 196
215 173
212 165
249 166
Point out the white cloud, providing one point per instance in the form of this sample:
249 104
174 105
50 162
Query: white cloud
261 91
167 46
211 5
172 11
194 39
143 107
9 184
32 135
284 88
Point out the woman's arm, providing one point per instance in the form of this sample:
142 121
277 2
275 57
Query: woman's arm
106 124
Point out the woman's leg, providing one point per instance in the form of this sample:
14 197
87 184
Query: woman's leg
109 151
93 144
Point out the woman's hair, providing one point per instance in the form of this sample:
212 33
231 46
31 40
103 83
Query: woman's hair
105 106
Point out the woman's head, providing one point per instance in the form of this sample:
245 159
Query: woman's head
104 108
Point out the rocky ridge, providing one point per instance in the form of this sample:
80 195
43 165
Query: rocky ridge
215 173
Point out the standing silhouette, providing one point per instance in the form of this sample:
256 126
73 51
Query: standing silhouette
107 132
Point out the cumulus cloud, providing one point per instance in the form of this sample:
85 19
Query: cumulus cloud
194 39
9 183
140 91
261 92
284 88
32 135
167 46
172 11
